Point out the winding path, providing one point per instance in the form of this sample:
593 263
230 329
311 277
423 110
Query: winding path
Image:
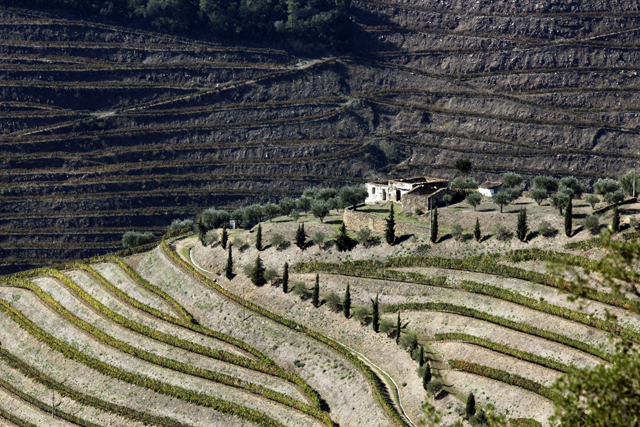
361 356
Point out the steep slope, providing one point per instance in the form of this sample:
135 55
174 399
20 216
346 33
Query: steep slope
106 129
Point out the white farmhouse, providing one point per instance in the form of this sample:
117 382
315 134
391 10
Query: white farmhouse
488 189
404 190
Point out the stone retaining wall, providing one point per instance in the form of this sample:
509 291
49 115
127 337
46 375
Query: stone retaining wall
355 220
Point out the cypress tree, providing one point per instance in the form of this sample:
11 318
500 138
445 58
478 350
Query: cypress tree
470 409
202 231
568 218
476 231
615 221
346 303
343 240
316 292
421 359
390 231
301 237
522 227
228 270
375 321
259 238
225 237
285 278
434 225
398 326
426 377
257 275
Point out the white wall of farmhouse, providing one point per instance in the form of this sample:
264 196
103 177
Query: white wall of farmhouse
380 193
487 192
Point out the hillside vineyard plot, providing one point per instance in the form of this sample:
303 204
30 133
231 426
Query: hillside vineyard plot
140 360
104 129
155 340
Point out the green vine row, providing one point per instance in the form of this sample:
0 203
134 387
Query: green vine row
157 386
502 376
501 348
371 377
160 360
84 399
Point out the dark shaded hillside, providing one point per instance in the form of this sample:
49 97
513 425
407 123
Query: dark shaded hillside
106 129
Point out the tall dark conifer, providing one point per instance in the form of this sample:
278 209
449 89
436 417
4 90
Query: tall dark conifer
568 218
346 303
476 231
398 327
257 275
259 238
615 221
202 231
315 300
470 409
434 225
343 241
228 270
375 315
224 238
426 377
301 237
390 231
522 228
285 278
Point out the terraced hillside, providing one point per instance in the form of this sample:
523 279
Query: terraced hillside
159 345
495 324
106 129
163 338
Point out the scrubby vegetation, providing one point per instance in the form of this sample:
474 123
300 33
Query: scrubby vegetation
309 20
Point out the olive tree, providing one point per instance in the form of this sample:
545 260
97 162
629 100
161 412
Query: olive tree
271 210
501 199
319 209
547 183
539 195
571 186
353 196
511 180
463 185
473 199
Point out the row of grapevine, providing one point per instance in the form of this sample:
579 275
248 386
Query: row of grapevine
372 378
157 386
160 360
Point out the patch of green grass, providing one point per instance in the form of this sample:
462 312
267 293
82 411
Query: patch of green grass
384 213
185 252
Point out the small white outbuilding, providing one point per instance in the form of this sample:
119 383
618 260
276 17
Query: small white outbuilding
489 188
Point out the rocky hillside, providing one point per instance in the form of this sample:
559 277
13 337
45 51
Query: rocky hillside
106 129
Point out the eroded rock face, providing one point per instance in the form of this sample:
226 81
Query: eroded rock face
107 129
